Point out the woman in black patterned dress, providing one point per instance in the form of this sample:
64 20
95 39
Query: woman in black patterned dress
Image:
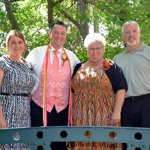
16 83
99 87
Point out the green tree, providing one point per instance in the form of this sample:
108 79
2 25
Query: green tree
33 19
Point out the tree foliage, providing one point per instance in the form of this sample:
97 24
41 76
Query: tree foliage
33 19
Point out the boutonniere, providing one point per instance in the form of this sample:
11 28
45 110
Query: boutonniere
107 64
64 56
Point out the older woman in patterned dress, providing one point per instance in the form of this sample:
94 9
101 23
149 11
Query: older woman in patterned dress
16 83
99 88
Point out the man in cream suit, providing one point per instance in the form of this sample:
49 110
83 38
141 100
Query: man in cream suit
53 66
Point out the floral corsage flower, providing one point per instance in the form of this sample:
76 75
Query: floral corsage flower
107 64
64 57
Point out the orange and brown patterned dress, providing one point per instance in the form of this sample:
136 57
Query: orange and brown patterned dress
92 105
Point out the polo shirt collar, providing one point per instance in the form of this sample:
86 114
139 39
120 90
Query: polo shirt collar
140 48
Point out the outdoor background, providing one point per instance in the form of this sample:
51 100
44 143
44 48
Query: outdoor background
34 17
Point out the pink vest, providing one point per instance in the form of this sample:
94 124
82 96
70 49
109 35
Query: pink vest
58 87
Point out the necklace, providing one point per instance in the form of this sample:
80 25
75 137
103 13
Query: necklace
94 66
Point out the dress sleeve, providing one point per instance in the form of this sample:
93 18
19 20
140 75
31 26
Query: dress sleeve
30 66
3 64
76 68
116 77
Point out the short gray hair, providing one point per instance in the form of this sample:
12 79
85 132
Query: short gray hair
130 22
92 38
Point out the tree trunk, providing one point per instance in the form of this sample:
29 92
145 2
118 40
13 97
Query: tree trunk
10 15
82 8
50 12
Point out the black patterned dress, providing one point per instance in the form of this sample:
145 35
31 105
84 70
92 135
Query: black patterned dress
18 82
93 101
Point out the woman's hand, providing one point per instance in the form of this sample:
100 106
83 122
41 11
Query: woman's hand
115 118
3 122
116 114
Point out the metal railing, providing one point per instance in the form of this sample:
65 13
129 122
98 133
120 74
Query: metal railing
43 136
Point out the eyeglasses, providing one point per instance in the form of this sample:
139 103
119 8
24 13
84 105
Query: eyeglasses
96 49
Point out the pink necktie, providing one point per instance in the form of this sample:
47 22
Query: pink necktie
56 61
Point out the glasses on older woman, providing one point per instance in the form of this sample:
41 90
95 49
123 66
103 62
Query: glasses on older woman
97 49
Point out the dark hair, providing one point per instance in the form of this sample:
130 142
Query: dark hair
58 23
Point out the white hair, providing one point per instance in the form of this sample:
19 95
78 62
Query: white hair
130 22
92 38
